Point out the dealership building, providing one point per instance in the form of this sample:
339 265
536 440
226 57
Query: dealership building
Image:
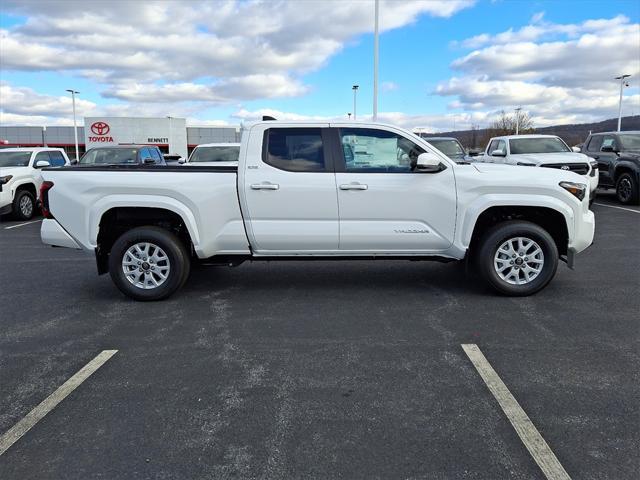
170 134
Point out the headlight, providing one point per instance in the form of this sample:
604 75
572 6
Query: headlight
5 179
578 190
524 164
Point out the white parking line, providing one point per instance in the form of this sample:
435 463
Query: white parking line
528 433
619 208
21 224
34 416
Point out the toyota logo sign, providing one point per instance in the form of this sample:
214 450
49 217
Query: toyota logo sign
100 128
565 167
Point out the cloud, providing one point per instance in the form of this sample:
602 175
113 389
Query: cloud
557 72
196 51
426 123
388 86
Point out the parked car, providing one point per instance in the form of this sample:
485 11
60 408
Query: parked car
451 147
296 194
215 154
20 177
123 155
546 151
618 157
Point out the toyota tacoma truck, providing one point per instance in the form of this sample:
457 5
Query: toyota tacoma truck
20 177
546 151
319 191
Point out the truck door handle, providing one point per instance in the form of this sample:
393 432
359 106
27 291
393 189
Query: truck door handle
354 186
265 186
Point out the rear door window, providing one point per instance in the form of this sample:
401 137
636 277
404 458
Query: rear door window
294 149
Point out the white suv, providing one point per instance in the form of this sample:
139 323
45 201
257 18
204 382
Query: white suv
20 177
542 151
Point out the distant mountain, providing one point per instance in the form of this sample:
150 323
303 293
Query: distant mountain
573 134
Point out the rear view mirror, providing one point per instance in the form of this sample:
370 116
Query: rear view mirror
498 153
429 163
42 164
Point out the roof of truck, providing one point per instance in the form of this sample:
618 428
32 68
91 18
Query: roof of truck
624 132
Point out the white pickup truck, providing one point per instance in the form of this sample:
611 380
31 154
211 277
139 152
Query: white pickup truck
20 177
546 151
319 190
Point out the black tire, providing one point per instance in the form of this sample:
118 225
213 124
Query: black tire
501 233
24 205
627 189
178 260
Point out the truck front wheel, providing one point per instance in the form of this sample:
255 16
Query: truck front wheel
517 258
24 205
148 263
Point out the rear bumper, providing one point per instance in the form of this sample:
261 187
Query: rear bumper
52 233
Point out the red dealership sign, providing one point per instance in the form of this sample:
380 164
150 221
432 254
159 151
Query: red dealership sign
101 129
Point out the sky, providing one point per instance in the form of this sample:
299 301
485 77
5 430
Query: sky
444 64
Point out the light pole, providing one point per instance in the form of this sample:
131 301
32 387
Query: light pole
44 133
375 63
349 114
169 138
518 119
355 90
622 84
75 127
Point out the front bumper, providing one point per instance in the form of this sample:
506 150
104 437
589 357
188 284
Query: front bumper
53 234
6 200
585 228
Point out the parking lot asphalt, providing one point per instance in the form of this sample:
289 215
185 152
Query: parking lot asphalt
321 369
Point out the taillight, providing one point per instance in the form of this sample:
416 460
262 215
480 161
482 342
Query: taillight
44 198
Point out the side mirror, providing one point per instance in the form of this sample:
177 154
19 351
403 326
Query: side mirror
576 149
148 161
182 161
608 148
429 163
498 153
42 164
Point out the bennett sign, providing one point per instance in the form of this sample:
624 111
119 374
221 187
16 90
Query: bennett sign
170 134
100 131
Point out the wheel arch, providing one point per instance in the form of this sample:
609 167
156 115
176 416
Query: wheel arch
117 220
552 220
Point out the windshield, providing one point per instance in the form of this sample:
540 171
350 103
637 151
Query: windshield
630 142
537 145
103 156
451 148
14 159
215 154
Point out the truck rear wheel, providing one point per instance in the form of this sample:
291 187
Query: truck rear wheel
148 263
517 258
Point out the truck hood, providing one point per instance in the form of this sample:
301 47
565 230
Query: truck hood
526 174
546 158
15 171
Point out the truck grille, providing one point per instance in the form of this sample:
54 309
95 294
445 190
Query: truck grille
579 168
